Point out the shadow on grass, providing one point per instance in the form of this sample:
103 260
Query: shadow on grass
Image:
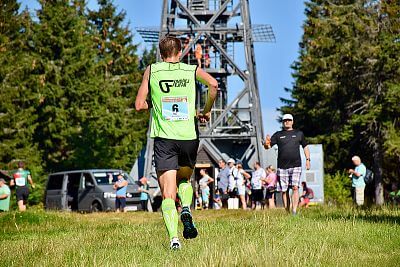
384 214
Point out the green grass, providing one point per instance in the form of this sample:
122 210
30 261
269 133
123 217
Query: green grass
318 236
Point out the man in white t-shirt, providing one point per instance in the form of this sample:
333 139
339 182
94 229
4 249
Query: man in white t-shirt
259 175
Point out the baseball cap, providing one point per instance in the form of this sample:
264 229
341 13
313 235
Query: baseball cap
2 180
287 117
231 160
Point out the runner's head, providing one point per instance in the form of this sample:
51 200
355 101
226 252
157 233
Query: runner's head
21 165
170 47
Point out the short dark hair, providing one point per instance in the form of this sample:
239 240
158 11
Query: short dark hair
222 160
258 163
21 164
169 46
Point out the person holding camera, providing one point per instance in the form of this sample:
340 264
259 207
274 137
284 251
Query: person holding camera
238 182
120 199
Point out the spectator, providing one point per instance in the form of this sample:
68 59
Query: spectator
223 181
270 184
394 195
239 177
207 59
197 195
232 186
198 53
217 200
4 196
289 160
205 189
357 177
186 43
259 175
307 194
144 193
120 199
20 179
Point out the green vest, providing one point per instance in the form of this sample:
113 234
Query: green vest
173 95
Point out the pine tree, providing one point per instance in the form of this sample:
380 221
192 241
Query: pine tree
347 80
70 88
18 99
125 134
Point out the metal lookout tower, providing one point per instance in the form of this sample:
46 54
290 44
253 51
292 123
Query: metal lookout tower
218 36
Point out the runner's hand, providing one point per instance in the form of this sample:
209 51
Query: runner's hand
203 117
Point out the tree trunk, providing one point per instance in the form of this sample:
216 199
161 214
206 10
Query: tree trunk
377 168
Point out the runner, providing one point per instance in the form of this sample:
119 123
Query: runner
20 179
172 88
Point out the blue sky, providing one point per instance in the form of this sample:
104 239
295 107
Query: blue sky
273 60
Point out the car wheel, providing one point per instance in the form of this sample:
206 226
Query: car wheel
95 207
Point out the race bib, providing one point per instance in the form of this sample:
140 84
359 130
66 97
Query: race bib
175 108
19 180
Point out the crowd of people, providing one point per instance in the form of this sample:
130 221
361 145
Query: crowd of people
199 55
254 190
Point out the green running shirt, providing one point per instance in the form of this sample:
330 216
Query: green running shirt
21 177
173 95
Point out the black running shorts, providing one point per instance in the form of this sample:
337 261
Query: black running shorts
22 193
172 154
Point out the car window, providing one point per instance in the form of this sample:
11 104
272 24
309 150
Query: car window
55 182
104 178
86 179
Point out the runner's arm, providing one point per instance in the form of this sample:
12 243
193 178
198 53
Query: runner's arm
140 102
212 84
30 181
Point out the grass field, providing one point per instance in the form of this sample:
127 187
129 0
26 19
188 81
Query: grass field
317 236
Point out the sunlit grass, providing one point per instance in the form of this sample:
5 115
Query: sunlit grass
318 236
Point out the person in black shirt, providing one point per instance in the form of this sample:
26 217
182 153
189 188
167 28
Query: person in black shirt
289 160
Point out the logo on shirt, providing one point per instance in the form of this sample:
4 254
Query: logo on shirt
165 85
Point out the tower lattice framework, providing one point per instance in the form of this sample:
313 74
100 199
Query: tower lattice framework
223 30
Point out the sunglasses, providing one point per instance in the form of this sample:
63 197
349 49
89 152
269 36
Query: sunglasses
286 120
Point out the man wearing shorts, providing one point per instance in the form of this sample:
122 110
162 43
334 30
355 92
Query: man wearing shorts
172 87
289 160
20 179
